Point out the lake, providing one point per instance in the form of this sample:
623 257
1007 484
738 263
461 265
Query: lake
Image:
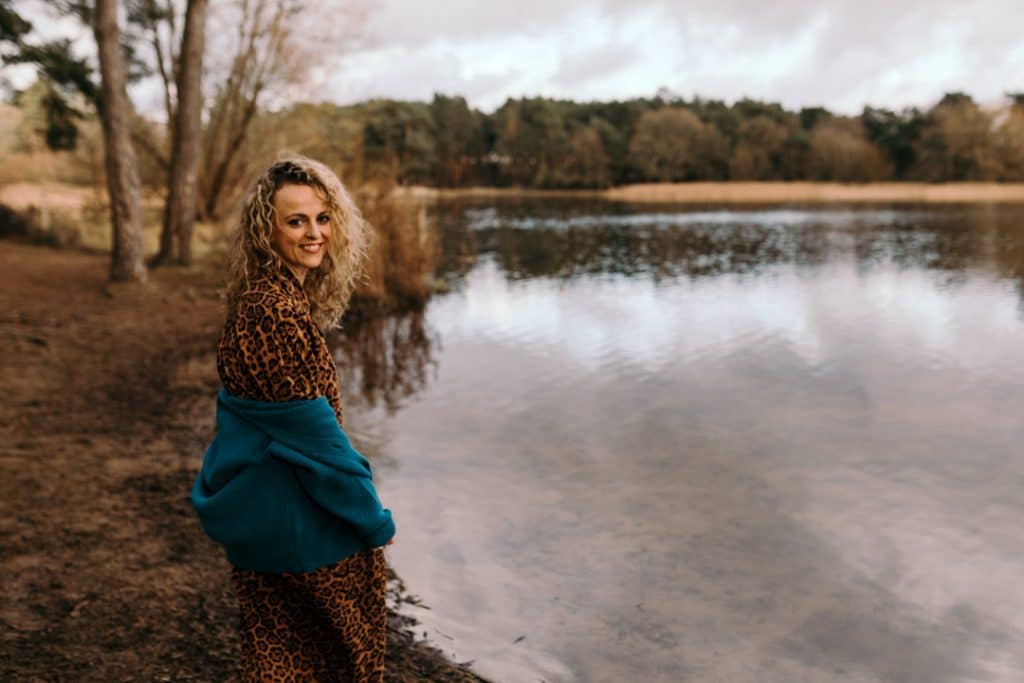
709 444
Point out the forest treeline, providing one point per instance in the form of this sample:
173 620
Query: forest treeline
547 143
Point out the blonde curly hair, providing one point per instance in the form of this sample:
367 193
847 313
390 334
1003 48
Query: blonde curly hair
329 286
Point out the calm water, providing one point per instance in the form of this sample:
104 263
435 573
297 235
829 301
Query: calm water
711 445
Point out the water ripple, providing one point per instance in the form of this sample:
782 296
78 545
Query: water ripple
805 452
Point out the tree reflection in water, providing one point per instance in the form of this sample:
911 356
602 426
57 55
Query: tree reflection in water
384 361
565 240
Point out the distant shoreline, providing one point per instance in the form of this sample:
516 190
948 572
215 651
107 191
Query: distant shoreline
752 193
20 196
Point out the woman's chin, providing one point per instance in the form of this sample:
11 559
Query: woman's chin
310 261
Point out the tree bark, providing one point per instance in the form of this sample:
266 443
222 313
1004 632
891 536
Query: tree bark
122 167
180 210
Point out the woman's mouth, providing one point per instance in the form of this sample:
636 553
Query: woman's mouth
311 248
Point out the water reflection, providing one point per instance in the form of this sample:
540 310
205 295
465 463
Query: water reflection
760 447
567 240
384 361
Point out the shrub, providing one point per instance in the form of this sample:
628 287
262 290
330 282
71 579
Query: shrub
403 256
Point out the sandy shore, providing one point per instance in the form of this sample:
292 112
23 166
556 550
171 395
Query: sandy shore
105 574
757 193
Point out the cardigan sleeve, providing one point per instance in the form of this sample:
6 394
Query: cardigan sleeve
340 481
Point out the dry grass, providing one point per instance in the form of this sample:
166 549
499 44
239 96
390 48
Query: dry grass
767 193
403 255
22 195
64 215
28 161
44 167
758 193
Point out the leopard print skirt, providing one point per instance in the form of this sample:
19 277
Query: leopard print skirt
324 626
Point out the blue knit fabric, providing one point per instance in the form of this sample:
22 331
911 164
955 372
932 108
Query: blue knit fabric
283 490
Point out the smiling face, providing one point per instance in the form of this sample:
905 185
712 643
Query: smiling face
302 227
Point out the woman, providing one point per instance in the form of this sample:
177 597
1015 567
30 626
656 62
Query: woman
281 487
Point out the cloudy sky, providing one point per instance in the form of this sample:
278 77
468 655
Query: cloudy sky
837 53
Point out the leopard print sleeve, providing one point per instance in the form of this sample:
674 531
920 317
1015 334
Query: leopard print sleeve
278 348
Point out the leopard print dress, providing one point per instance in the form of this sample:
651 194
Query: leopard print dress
329 624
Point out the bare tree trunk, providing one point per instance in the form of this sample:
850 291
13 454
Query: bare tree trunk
122 168
180 210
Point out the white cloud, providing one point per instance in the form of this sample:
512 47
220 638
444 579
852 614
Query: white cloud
838 53
842 54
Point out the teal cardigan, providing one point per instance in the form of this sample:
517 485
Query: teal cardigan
283 490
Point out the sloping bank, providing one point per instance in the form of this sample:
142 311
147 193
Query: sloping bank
105 574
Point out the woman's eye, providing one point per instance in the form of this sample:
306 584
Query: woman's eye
295 221
323 218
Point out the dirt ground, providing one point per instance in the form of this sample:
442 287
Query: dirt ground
105 574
